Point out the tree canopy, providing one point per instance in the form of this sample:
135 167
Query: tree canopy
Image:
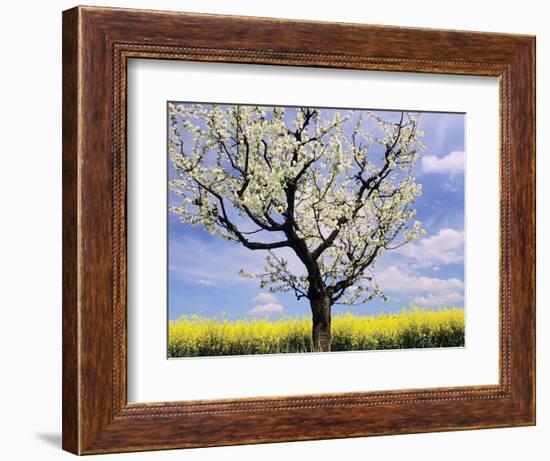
337 189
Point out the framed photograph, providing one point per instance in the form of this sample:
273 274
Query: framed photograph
282 230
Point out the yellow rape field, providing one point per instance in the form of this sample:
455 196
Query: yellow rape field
196 336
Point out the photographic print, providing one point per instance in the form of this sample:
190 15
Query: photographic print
309 221
312 229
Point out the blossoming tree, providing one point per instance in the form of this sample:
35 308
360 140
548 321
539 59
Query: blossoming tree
337 190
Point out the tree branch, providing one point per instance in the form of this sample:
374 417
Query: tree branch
232 228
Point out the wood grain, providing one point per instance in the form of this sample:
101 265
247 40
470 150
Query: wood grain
70 383
97 43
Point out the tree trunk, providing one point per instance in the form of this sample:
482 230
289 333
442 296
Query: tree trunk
320 309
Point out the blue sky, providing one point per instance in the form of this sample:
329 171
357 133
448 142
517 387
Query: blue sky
203 270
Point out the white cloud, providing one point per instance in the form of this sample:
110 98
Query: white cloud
204 282
265 298
446 247
428 291
266 309
439 300
451 163
269 304
394 279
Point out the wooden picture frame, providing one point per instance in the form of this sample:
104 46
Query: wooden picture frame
97 43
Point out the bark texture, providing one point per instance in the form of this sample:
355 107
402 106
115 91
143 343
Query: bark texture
321 315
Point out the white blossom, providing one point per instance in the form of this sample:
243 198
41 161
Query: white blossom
339 191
